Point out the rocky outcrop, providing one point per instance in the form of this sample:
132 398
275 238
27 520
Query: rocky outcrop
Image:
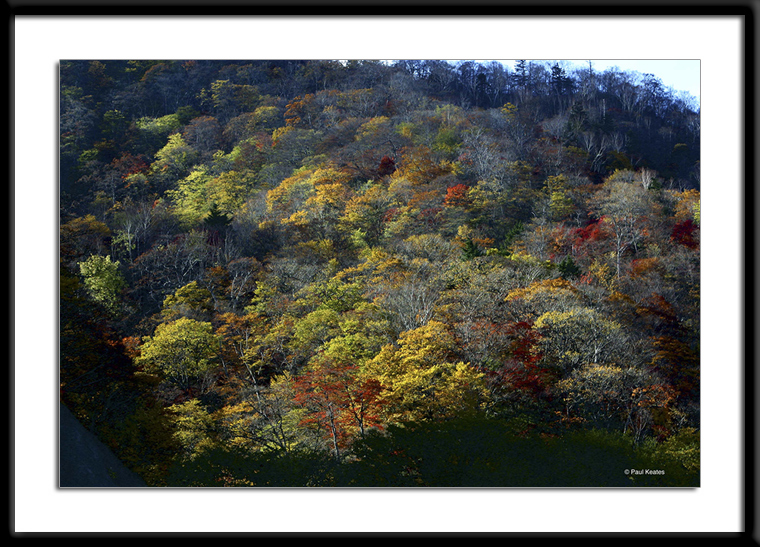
85 462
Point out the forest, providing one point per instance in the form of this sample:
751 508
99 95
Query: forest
414 273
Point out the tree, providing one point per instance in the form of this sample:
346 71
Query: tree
615 397
470 249
302 111
172 162
456 196
521 77
203 134
82 237
252 126
229 99
386 167
189 197
152 133
311 201
422 379
370 151
555 295
338 400
580 336
560 204
410 294
685 233
265 418
568 269
138 222
238 335
191 301
173 263
313 330
216 220
474 308
561 84
103 281
193 429
623 207
364 214
182 351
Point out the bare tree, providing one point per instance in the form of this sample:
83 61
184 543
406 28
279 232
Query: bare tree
623 206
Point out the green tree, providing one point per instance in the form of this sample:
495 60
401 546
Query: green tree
560 205
172 162
103 281
152 133
313 330
470 250
229 100
193 428
182 351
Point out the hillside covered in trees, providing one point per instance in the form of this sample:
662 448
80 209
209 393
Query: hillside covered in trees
383 274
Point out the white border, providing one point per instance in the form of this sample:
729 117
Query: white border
41 41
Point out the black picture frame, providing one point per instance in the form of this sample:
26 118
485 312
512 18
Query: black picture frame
744 309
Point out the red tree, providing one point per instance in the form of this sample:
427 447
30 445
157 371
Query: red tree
457 196
684 233
386 167
338 401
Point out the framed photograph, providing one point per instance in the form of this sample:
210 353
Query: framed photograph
457 280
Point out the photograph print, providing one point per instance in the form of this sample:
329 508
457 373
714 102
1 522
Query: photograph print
379 273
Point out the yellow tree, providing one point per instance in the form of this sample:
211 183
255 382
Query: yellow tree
193 428
422 379
365 212
579 336
238 335
530 302
311 201
201 193
173 162
560 204
264 418
191 301
190 196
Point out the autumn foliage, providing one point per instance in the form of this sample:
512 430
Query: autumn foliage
360 273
